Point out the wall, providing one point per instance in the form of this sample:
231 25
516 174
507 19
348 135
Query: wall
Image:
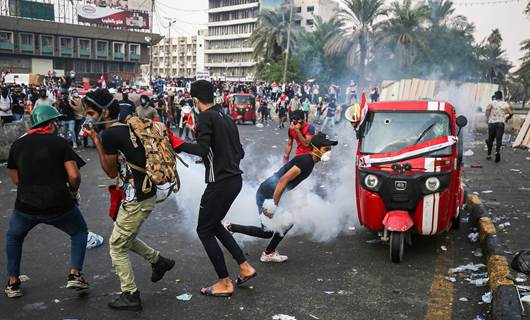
8 134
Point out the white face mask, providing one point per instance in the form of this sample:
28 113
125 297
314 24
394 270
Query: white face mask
326 156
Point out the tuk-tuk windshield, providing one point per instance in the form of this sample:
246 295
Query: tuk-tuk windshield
393 131
241 99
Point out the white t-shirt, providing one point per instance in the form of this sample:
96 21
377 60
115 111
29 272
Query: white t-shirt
498 111
5 106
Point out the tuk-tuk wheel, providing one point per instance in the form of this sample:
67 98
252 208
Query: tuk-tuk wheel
397 246
456 222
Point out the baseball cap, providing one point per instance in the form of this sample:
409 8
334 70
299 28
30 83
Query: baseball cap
321 140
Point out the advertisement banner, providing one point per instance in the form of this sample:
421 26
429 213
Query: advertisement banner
141 5
202 75
112 17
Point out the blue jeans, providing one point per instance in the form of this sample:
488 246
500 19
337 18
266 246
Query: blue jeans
331 122
69 131
71 222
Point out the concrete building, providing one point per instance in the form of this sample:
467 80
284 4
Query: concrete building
228 53
201 47
307 10
175 57
39 46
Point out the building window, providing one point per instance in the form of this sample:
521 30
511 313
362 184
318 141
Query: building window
298 9
6 40
85 48
118 50
134 51
26 42
309 22
66 46
102 49
46 44
311 9
298 22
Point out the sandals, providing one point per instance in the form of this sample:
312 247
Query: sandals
241 281
209 293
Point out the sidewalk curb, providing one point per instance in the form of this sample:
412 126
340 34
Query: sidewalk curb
505 304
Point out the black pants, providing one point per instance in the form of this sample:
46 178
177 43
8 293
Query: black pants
258 232
495 132
215 203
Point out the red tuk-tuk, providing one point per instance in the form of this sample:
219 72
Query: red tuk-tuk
408 169
242 107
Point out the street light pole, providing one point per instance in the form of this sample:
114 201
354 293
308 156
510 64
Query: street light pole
151 43
288 41
169 56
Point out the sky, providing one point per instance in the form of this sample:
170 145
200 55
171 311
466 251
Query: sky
507 15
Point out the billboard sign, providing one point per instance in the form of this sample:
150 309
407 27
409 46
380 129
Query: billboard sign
114 17
140 5
203 75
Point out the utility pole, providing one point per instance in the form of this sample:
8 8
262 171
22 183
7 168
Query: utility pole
151 42
169 55
288 41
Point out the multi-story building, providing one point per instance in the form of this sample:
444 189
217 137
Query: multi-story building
228 52
175 57
39 46
306 10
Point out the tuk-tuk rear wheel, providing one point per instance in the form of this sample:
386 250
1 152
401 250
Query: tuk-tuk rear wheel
397 246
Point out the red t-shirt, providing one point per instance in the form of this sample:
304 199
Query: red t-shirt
308 129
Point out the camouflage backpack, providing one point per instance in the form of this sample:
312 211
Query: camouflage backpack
160 165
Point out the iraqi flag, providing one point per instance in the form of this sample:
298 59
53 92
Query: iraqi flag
102 82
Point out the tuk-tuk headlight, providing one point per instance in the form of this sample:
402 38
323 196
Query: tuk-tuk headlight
432 184
371 181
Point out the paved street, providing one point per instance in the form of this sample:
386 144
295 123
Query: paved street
343 277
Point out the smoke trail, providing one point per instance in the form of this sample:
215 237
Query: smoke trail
322 206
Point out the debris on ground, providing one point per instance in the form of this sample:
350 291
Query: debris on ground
520 278
515 170
473 236
469 153
444 248
477 253
504 225
282 317
467 267
274 147
451 279
23 278
56 300
486 297
93 240
329 292
463 299
259 125
480 282
313 316
479 318
177 280
184 297
374 241
487 191
476 166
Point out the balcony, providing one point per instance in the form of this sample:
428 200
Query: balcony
232 22
229 64
84 52
67 51
233 8
46 50
26 48
135 56
229 50
119 55
229 36
102 54
6 45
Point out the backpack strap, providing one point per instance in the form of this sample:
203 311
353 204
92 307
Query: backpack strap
147 184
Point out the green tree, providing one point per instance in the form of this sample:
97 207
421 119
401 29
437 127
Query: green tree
269 38
316 61
403 32
522 75
493 60
273 71
356 27
440 12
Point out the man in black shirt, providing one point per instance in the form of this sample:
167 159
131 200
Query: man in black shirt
221 151
271 190
46 171
116 151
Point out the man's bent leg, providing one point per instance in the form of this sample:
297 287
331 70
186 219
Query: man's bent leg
19 226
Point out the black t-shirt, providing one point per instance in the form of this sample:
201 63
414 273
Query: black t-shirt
304 162
67 110
18 103
39 160
116 139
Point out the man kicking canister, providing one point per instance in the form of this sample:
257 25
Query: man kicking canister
285 179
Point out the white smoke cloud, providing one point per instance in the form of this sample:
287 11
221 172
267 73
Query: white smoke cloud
321 207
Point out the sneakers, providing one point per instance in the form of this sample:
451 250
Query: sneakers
488 157
127 301
497 157
162 266
76 282
13 290
273 257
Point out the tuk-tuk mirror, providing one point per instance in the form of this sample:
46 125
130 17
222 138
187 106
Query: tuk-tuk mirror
461 121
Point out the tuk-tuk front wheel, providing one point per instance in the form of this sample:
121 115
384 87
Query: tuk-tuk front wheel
397 246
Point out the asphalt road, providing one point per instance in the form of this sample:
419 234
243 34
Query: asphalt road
342 278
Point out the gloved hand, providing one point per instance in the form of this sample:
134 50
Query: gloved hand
175 141
269 208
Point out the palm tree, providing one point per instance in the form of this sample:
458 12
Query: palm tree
403 32
440 12
356 25
493 60
269 39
